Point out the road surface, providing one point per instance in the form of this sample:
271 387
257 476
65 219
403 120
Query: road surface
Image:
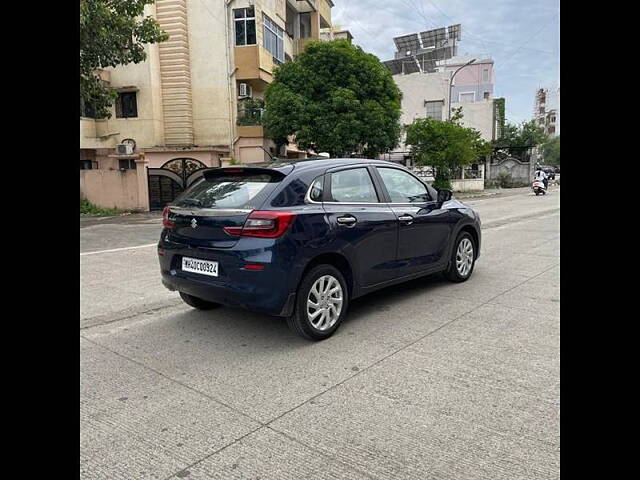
427 379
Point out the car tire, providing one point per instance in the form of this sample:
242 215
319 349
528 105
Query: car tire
198 303
324 324
460 269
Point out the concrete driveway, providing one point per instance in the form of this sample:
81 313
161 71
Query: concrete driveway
425 380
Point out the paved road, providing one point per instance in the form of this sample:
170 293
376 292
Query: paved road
426 380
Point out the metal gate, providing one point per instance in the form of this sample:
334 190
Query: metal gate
170 180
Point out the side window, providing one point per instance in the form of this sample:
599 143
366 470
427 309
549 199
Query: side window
353 186
315 194
126 105
403 187
245 26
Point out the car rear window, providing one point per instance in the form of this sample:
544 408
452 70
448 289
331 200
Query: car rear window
229 191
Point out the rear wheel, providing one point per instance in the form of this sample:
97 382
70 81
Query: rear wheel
537 192
463 258
198 303
321 303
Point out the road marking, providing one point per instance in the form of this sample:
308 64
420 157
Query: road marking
119 249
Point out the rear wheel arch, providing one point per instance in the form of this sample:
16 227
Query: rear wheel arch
338 261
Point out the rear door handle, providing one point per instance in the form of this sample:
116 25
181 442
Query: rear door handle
347 220
408 219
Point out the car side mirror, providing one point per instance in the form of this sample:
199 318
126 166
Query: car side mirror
444 196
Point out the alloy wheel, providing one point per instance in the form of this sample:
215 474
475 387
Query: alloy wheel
464 257
324 302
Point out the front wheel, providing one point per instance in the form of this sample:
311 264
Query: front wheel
321 303
463 259
198 303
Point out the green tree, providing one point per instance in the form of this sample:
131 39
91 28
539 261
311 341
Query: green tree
112 32
445 146
525 134
551 151
334 98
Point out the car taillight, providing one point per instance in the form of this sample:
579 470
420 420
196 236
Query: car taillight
263 224
166 223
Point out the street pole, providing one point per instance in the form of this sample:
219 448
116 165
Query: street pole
451 82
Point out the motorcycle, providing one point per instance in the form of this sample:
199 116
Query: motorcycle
538 187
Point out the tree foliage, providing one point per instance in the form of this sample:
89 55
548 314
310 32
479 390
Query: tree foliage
527 134
112 32
334 98
551 151
445 146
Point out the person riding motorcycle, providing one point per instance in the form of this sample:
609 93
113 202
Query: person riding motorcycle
542 177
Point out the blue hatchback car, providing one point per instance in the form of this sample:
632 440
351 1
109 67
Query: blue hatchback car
301 239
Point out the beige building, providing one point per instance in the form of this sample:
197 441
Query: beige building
195 102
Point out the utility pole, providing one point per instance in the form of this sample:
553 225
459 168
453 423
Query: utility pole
451 82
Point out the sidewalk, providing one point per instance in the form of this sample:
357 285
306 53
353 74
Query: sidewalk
127 219
491 192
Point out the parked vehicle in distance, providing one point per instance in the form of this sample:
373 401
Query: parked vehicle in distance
551 173
301 239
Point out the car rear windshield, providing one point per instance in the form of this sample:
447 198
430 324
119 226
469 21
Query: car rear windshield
229 191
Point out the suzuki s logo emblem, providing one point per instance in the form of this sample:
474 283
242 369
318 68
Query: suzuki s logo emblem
194 223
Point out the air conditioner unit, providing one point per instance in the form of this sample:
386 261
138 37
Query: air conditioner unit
124 149
245 90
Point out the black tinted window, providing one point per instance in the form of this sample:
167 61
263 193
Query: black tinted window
227 191
403 187
353 186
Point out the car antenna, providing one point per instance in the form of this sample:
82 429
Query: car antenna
267 152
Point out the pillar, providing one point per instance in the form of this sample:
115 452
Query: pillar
143 183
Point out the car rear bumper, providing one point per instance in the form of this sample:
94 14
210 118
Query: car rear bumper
243 296
268 290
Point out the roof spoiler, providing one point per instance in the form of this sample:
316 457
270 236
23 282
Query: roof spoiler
216 172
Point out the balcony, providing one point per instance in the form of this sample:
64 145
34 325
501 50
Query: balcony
249 118
253 62
299 44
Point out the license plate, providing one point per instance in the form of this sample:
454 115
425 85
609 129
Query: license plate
203 267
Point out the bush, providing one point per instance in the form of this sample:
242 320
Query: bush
88 208
441 184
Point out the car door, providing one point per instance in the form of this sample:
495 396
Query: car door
425 229
364 226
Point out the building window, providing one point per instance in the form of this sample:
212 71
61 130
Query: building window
467 97
485 74
127 164
434 109
273 38
126 105
486 95
86 165
245 24
541 110
305 25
